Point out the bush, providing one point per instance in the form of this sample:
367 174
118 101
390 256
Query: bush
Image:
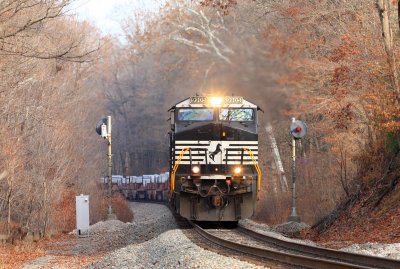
121 208
65 211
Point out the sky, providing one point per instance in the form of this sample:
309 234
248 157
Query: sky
108 15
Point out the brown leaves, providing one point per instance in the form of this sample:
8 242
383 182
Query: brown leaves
374 224
14 256
293 11
345 50
341 75
342 117
65 212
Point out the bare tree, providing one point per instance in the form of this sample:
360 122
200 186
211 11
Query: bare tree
45 109
23 21
202 33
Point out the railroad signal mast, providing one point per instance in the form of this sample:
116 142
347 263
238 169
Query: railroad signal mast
298 130
103 128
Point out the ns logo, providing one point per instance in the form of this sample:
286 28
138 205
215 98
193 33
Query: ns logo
215 152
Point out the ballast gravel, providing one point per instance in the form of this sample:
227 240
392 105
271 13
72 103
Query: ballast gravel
171 249
168 248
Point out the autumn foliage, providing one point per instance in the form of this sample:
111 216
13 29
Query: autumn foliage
332 64
322 62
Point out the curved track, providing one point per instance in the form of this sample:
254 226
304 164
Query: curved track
263 248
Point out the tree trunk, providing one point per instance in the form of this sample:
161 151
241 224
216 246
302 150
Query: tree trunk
398 12
45 208
9 212
387 37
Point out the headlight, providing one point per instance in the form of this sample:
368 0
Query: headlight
237 170
216 101
196 169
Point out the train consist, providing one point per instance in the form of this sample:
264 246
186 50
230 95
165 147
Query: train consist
214 171
145 187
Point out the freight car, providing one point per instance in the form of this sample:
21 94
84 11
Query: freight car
214 171
145 187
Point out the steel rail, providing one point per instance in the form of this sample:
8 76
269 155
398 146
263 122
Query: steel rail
347 257
276 255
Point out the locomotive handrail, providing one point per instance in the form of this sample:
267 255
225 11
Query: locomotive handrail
255 163
176 165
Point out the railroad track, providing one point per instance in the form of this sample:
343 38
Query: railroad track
262 249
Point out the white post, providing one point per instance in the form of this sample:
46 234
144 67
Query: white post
294 217
109 155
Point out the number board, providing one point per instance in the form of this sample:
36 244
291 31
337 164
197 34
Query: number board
233 100
198 100
227 100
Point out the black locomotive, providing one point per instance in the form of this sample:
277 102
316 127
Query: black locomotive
214 172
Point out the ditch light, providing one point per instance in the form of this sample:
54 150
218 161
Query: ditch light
195 170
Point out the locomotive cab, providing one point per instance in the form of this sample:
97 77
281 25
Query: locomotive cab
214 159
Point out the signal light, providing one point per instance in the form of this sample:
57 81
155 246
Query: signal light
196 169
298 129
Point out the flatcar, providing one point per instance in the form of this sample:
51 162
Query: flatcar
145 187
214 171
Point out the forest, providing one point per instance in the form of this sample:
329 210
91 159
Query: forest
330 63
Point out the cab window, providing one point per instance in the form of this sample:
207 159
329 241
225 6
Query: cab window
195 114
236 114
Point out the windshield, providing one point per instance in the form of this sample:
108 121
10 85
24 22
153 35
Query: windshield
195 114
236 114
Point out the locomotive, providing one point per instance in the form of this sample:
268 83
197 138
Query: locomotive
214 171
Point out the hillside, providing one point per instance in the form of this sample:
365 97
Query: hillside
371 215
